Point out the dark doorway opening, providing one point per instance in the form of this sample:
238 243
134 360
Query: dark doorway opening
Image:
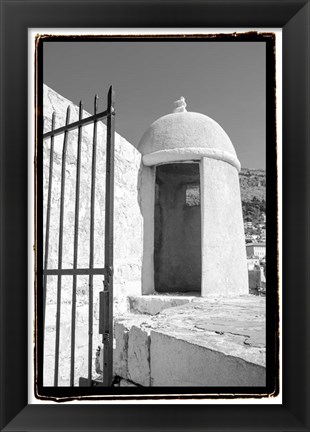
177 236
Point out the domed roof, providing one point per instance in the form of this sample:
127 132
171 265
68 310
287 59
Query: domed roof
186 135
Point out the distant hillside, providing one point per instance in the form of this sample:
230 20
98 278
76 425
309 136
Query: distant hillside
253 193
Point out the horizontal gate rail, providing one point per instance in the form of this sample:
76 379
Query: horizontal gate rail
71 126
77 272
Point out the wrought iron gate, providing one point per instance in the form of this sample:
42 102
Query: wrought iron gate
106 296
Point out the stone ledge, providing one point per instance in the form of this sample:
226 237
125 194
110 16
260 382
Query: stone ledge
223 331
183 363
154 304
138 360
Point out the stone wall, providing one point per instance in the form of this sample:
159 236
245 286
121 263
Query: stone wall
127 234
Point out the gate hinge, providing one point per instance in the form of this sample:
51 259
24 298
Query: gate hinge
108 272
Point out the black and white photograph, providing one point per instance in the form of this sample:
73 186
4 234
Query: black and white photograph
157 254
154 215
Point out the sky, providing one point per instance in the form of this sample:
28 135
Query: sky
223 80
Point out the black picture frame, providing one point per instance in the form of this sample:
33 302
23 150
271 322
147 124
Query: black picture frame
16 17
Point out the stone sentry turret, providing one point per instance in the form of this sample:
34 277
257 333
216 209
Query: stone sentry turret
191 205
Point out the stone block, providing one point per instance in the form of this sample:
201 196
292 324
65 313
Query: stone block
120 353
153 304
175 362
139 356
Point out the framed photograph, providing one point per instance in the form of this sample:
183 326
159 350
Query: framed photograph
151 266
152 235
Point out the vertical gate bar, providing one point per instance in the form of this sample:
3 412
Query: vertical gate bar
91 247
108 247
48 218
60 245
76 244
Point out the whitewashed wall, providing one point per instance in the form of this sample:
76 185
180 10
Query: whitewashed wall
127 234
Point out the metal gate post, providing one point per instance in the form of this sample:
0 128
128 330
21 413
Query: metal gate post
108 247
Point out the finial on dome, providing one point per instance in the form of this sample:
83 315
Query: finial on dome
180 105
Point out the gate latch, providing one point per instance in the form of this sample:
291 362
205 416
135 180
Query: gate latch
104 312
